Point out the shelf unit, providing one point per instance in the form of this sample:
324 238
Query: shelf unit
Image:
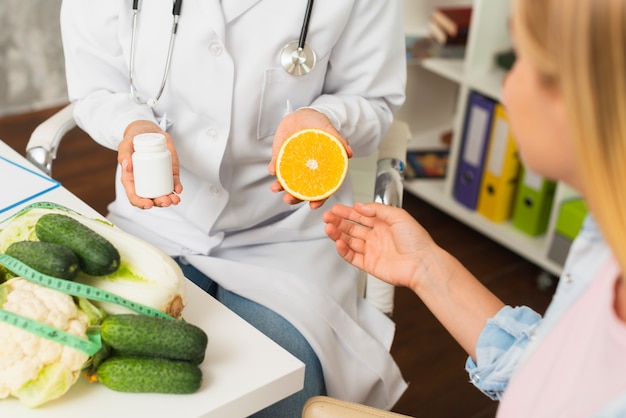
437 94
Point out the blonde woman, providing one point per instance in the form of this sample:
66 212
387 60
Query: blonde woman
566 98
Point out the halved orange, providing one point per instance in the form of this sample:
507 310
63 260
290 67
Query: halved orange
311 164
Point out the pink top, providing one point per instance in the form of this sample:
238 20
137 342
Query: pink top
581 364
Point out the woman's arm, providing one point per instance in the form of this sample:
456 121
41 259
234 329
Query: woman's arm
389 244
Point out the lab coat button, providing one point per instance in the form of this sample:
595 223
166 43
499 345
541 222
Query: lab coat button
211 134
215 190
216 48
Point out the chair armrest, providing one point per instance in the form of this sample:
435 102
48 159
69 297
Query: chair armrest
43 144
395 141
327 407
388 187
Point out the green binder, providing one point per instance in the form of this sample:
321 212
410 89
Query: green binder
533 203
571 217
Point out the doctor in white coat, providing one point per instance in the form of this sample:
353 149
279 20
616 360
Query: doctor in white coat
224 104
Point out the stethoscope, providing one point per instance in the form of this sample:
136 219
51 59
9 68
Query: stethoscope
297 57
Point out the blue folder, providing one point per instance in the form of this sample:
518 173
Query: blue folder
476 131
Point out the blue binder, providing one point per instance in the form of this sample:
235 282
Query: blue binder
476 131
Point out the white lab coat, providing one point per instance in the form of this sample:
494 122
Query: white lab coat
225 95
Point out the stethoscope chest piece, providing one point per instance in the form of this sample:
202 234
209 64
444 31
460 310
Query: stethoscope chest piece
297 60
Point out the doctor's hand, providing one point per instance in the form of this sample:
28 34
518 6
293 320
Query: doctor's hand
292 123
124 153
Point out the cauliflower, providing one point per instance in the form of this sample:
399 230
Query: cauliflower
35 369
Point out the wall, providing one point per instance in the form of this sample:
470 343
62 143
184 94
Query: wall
32 72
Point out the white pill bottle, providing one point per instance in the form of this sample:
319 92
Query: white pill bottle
152 166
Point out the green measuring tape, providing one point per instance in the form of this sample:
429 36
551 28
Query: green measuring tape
89 346
38 205
93 344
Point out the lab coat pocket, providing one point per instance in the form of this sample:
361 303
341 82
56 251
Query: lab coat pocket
280 88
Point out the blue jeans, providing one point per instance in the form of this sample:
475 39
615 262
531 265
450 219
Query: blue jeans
278 329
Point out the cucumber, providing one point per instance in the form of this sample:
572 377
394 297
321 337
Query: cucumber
48 258
97 256
141 335
149 375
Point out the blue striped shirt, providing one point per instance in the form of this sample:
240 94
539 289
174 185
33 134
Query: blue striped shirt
514 332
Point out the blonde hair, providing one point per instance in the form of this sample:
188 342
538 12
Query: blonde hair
579 47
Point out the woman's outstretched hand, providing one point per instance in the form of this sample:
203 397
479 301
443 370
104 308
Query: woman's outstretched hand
390 244
386 242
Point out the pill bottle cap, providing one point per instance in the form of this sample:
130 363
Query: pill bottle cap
149 142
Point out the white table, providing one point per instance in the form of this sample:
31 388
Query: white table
243 372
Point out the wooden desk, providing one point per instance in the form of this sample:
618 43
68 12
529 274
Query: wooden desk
244 371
